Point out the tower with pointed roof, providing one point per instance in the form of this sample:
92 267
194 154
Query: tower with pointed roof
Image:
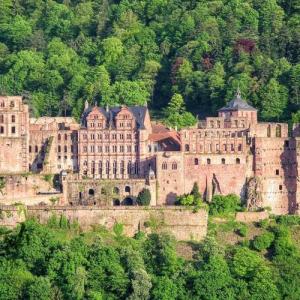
238 107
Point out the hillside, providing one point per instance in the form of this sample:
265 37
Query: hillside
60 53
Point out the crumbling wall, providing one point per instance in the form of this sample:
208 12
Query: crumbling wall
182 223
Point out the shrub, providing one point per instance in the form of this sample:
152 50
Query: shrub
263 223
242 230
144 197
263 241
288 220
223 205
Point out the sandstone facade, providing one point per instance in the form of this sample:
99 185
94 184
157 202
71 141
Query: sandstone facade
116 152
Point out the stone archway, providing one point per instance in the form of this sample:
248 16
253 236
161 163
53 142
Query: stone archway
116 202
128 201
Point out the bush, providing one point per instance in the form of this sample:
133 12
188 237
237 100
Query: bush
144 197
263 241
288 220
223 205
242 230
263 223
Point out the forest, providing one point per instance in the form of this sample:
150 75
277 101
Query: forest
57 261
57 54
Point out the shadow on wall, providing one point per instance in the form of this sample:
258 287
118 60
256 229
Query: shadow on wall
290 172
171 198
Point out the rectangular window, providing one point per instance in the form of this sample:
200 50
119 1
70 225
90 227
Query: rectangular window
13 129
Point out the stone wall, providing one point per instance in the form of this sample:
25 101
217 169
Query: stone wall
251 216
182 223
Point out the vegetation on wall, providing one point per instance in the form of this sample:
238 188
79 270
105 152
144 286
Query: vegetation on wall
60 53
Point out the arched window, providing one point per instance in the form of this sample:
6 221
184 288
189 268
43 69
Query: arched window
115 167
59 137
237 161
91 192
278 131
65 149
196 161
66 137
122 167
107 167
164 166
269 131
100 167
129 167
1 119
208 161
13 118
174 166
127 189
223 161
187 147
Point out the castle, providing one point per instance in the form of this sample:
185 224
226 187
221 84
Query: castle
115 152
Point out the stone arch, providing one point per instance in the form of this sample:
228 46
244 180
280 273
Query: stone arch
127 189
91 192
128 201
116 202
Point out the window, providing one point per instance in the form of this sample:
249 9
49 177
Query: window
12 104
1 119
66 137
122 148
99 136
85 163
129 167
269 131
232 147
127 189
92 136
187 147
13 118
164 166
72 149
174 166
107 149
92 148
278 131
114 148
225 147
59 149
128 136
106 136
114 136
36 149
128 148
84 136
237 161
277 172
121 136
280 187
223 161
196 161
13 129
122 166
100 125
286 144
100 149
2 129
240 147
65 149
84 148
92 124
208 161
30 149
107 167
100 167
91 192
115 167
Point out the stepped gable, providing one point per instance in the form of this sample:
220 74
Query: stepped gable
237 103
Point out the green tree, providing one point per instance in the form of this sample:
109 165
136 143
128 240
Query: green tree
39 288
144 197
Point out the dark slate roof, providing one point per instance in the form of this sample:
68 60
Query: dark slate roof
138 112
237 103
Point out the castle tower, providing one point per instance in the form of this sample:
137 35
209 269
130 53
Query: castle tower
238 107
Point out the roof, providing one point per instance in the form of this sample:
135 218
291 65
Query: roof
139 113
237 103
